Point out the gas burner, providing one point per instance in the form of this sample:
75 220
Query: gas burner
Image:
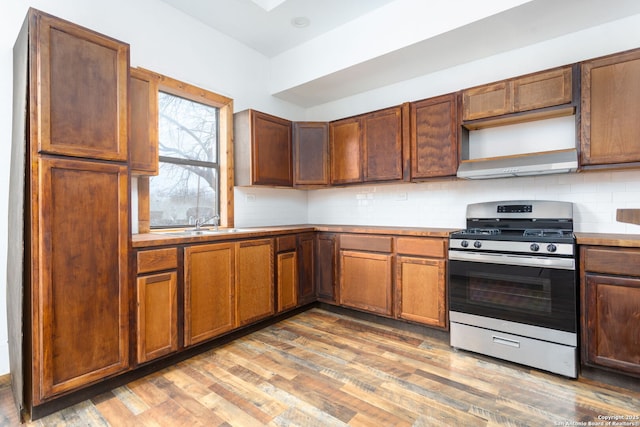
482 231
540 232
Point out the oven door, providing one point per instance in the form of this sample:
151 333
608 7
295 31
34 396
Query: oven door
539 291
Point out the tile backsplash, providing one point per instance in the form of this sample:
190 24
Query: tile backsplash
596 196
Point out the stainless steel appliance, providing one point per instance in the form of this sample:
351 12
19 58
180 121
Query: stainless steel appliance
513 284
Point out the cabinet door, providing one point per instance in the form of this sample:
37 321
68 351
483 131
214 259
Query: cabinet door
81 79
271 150
143 123
254 281
420 290
346 151
610 332
311 153
365 281
487 101
208 291
609 126
382 145
544 89
434 137
287 271
326 253
306 265
79 300
157 315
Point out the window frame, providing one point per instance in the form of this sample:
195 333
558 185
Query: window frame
225 147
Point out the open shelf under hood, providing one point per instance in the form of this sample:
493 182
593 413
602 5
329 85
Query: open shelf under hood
541 163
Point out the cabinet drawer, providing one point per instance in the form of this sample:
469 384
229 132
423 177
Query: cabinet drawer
427 247
612 260
366 243
157 260
285 243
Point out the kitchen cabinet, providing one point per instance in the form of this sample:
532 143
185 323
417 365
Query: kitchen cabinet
434 137
550 88
345 138
367 148
421 279
254 281
610 298
143 122
156 303
69 321
366 273
310 154
209 288
306 268
609 128
263 150
286 273
326 263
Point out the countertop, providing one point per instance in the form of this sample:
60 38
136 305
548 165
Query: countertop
158 238
606 239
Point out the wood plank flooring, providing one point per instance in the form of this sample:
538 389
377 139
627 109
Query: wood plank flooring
326 369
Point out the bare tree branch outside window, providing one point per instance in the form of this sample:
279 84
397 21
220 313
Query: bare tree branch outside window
186 188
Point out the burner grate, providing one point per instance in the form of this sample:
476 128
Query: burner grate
541 232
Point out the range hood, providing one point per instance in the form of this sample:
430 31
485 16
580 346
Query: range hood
541 163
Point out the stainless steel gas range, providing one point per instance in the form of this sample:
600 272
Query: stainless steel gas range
513 284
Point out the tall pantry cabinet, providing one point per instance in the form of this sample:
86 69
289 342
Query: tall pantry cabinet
69 228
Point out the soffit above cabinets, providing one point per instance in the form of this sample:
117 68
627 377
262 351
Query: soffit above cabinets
355 46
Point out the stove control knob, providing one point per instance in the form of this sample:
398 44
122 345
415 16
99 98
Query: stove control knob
477 244
534 247
464 243
551 247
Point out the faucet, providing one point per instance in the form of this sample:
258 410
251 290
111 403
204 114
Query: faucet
199 222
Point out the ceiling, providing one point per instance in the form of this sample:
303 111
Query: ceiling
352 46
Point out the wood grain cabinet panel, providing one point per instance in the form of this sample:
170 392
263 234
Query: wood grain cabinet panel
420 290
544 89
263 151
609 126
382 145
80 300
157 315
434 137
306 268
81 79
287 286
143 122
365 281
209 279
326 263
310 154
487 101
345 138
254 281
611 324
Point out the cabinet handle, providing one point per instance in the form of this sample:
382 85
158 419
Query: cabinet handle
505 341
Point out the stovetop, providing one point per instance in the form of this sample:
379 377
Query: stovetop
526 235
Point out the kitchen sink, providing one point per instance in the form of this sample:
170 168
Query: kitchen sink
204 231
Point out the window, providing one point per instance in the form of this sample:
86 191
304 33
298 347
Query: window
193 180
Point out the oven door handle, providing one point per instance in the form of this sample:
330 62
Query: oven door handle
519 260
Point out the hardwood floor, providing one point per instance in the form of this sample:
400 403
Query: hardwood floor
325 369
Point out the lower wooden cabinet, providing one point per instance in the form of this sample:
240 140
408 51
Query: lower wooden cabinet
209 279
610 295
157 315
326 264
306 268
254 281
421 280
287 278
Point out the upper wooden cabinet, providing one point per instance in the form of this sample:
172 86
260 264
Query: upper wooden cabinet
345 138
79 80
434 137
609 126
534 91
143 122
310 154
263 151
367 148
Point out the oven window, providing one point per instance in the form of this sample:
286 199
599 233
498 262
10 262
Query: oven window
523 294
